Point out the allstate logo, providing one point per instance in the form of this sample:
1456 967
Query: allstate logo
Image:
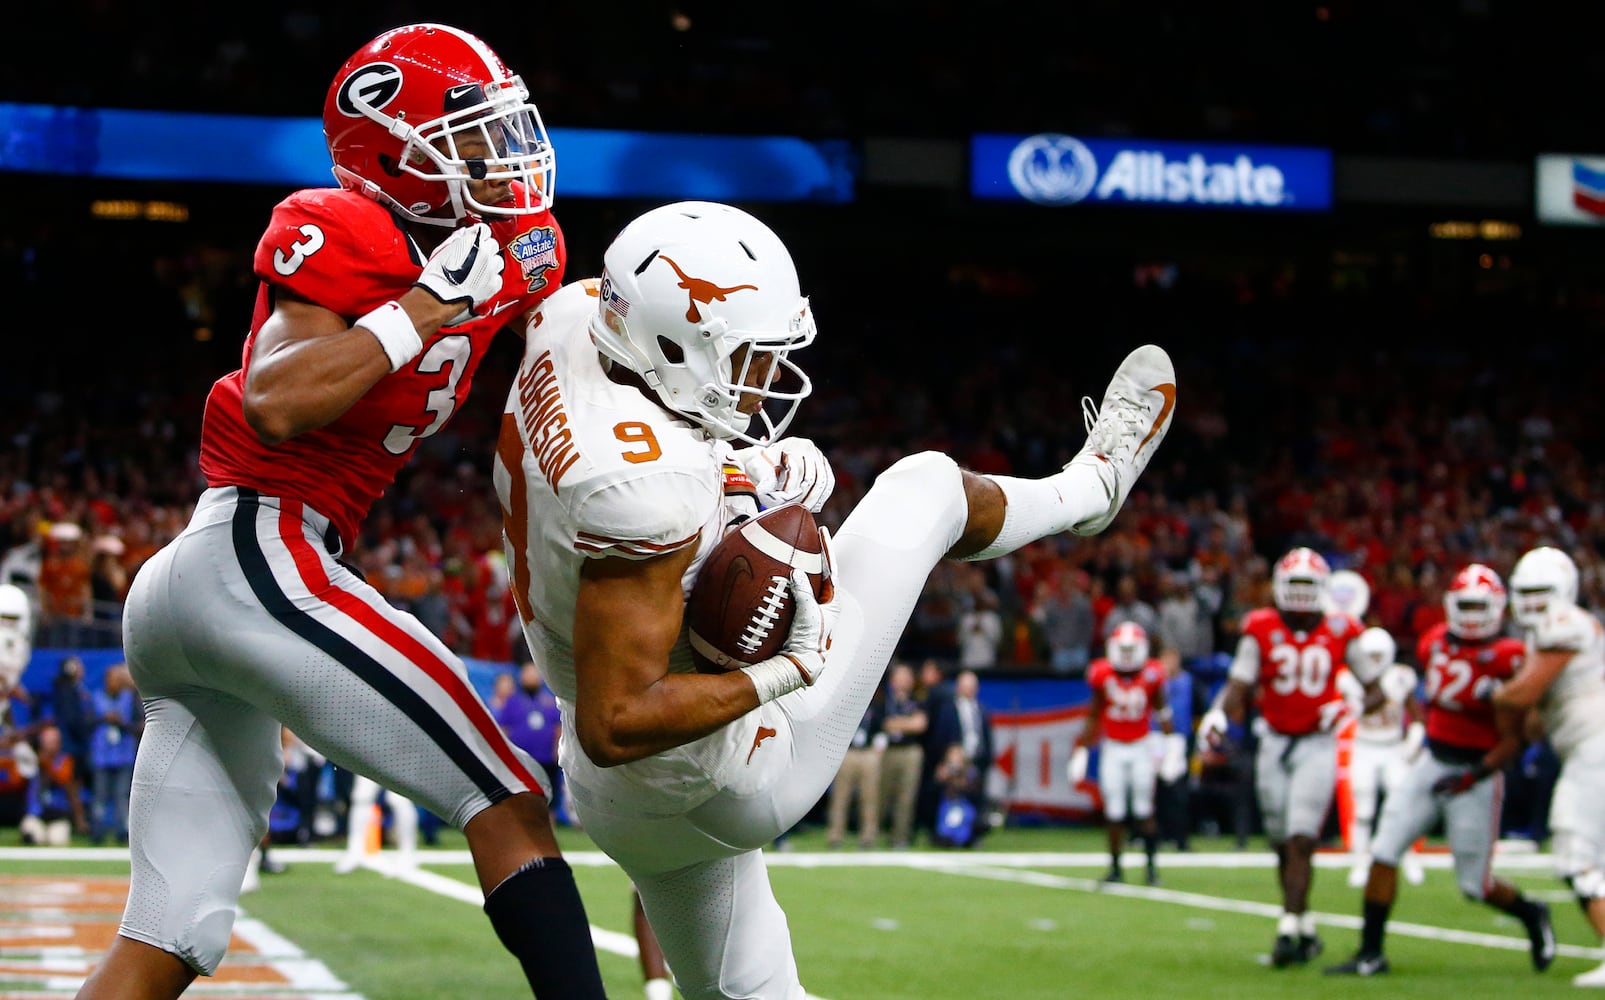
1052 169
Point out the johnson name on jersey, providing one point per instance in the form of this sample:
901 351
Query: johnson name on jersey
586 468
1574 705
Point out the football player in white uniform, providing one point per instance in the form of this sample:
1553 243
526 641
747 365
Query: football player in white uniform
1563 678
1388 735
632 400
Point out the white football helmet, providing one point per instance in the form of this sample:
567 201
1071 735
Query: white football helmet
1543 575
1377 651
1474 604
692 295
1347 593
16 634
1127 647
1299 581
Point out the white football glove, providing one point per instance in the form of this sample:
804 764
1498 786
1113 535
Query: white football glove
467 268
803 655
1076 770
791 469
1173 765
24 759
1212 727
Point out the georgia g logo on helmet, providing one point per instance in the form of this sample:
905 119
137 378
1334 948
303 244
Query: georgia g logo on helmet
375 85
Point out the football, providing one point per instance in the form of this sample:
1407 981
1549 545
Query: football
740 608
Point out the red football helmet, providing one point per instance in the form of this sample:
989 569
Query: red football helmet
1474 604
1127 647
1299 581
398 109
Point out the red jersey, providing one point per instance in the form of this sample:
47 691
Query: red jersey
1128 698
1461 674
349 254
1295 672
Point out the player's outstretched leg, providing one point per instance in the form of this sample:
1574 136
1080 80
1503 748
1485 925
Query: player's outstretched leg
1122 436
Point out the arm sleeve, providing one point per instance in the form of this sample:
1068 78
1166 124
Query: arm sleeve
1245 662
643 517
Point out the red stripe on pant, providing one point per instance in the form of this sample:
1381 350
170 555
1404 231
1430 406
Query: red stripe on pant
310 567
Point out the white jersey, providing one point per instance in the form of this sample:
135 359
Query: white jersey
1385 723
600 469
1575 703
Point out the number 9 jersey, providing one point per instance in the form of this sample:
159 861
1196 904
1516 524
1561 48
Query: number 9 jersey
349 254
1295 672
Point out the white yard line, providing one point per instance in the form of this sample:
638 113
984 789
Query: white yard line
1222 904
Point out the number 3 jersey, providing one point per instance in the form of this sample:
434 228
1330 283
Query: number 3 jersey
350 255
1295 672
1461 675
588 467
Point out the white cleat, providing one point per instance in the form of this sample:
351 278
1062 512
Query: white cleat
347 864
1124 433
1595 977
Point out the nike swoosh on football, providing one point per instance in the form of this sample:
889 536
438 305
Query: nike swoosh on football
458 275
1168 391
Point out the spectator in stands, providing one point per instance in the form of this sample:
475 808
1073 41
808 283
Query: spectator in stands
55 805
1063 609
108 585
119 722
1130 607
1185 626
65 593
980 632
934 691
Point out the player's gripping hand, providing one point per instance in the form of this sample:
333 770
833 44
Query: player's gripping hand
791 469
805 652
1212 728
465 269
1462 781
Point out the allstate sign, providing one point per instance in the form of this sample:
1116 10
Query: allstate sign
1053 169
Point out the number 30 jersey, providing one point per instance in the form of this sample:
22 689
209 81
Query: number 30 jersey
1295 672
347 253
1461 675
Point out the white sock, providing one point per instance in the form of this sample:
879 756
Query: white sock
1306 923
659 989
1360 838
404 820
1038 508
1287 925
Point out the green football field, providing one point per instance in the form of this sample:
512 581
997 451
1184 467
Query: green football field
1025 918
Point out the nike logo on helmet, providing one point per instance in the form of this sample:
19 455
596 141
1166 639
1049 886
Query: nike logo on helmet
458 93
459 274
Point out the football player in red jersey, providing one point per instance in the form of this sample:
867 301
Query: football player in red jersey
378 300
1290 655
1128 694
1459 778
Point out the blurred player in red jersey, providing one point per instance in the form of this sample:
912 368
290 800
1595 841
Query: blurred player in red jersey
1128 693
1290 655
378 300
1459 779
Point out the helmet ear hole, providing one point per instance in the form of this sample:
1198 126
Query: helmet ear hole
673 353
388 164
